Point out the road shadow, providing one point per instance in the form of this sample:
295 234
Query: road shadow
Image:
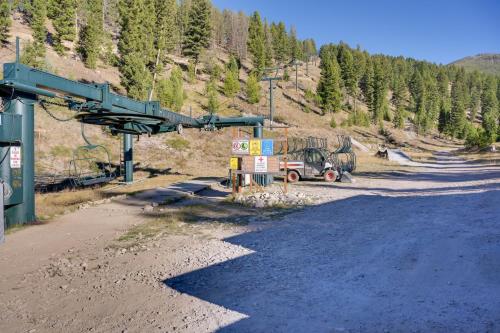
364 264
387 190
443 176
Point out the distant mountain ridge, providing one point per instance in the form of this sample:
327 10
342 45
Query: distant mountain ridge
485 62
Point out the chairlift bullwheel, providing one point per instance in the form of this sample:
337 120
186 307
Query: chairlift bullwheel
330 176
293 176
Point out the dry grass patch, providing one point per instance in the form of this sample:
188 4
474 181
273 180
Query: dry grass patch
184 220
49 205
370 163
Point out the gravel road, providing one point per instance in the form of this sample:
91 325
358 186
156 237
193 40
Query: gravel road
407 251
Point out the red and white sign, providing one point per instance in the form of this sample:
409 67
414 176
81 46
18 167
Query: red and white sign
260 164
15 157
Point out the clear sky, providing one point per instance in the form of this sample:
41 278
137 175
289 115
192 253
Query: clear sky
440 31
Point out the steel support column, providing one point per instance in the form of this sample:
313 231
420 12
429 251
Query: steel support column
20 208
128 158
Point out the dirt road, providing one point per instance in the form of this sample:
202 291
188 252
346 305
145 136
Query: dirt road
412 251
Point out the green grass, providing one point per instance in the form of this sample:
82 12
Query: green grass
178 143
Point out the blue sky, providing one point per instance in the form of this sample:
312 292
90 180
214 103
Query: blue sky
440 31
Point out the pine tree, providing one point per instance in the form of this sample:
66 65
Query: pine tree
329 85
257 42
170 91
380 107
445 102
136 76
5 21
295 45
432 103
34 52
166 27
253 90
489 108
346 63
367 84
398 95
458 118
136 46
233 65
231 83
268 44
91 34
198 33
280 42
182 21
498 88
213 98
63 18
418 95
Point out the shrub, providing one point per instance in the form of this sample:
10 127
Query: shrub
191 72
358 118
333 123
253 89
178 143
477 138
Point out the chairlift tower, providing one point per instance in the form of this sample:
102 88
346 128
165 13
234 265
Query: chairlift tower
270 79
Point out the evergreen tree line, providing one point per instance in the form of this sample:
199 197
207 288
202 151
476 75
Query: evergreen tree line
400 89
146 32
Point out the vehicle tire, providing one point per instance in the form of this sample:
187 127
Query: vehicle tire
330 176
293 176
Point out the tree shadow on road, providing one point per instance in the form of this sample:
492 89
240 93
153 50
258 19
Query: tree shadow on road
442 176
368 263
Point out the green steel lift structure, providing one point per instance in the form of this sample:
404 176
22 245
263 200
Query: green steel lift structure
22 87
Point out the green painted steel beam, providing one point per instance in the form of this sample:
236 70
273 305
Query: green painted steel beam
110 109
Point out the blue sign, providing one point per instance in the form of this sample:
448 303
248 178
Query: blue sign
267 148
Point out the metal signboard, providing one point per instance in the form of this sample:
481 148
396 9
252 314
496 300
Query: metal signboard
233 163
251 165
241 147
255 147
267 147
260 164
15 157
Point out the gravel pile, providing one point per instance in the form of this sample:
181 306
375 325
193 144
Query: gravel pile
274 199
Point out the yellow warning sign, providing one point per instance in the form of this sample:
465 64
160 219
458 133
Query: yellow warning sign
233 163
255 147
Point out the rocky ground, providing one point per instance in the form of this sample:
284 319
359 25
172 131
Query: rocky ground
396 251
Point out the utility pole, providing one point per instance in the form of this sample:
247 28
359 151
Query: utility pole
271 88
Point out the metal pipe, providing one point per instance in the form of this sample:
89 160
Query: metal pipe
128 156
29 89
18 50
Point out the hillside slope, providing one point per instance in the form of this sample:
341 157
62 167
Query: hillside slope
487 63
196 151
